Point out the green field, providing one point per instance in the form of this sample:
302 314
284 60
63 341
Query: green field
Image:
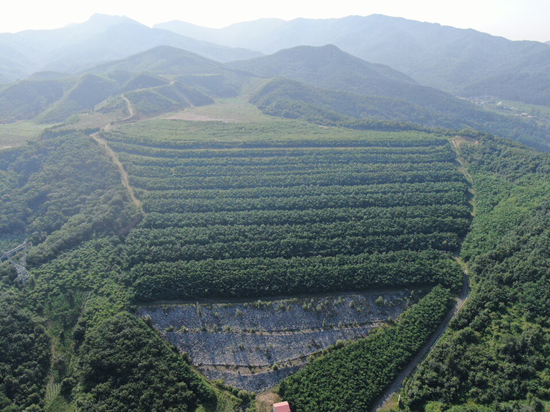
16 134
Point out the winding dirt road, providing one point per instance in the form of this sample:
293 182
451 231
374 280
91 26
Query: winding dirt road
130 109
123 174
461 299
430 344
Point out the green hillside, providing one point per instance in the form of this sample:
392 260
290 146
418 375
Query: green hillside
163 60
28 98
285 98
211 77
89 91
496 351
166 98
330 68
463 62
157 81
100 39
281 197
268 206
142 81
167 183
64 195
380 209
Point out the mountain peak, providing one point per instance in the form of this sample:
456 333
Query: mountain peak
100 17
104 21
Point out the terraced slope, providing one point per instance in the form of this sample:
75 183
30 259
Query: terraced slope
331 211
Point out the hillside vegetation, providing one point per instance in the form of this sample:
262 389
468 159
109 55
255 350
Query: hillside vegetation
463 62
229 212
274 207
157 81
167 179
328 67
102 38
64 195
349 380
271 217
341 84
497 349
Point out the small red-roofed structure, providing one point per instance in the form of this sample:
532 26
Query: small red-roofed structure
281 407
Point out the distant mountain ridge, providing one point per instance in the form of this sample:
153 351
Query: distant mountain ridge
329 84
155 81
100 39
328 67
465 62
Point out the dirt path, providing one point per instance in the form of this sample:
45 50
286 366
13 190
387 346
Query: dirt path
130 109
123 174
428 346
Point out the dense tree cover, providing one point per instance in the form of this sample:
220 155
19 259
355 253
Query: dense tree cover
333 197
65 195
168 249
24 356
261 276
270 217
339 102
304 191
396 175
497 350
225 219
82 296
60 192
350 379
124 367
353 191
412 153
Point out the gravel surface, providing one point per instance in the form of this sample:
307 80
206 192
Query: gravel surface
222 336
249 349
258 382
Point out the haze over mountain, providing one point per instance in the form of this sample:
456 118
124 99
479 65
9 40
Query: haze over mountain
100 39
179 233
158 80
328 67
464 62
341 84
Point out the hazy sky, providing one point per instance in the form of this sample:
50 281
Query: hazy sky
514 19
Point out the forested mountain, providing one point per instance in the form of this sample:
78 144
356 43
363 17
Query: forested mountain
345 85
328 67
463 62
100 39
160 182
166 60
271 206
158 80
496 351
